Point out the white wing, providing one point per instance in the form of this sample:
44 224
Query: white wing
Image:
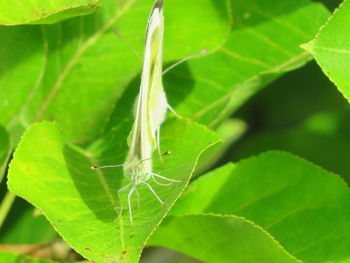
151 103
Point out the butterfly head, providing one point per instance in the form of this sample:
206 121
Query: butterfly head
137 172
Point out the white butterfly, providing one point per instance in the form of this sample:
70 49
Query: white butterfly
150 112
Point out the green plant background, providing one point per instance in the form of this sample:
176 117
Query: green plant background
67 90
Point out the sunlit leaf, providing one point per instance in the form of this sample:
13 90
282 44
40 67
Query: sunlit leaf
82 205
331 48
220 239
17 12
263 44
302 206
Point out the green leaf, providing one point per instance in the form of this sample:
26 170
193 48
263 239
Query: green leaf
82 69
82 204
220 239
263 44
4 150
11 257
18 12
304 207
74 72
331 48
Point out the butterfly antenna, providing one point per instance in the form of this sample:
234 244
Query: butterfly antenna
153 192
128 44
184 60
106 166
121 165
159 156
174 112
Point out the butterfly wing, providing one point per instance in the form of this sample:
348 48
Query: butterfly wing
151 103
157 102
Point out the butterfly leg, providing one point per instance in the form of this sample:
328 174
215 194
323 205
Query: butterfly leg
138 198
120 200
152 190
166 178
158 183
129 204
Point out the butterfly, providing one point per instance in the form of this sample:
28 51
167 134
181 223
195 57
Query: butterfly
150 113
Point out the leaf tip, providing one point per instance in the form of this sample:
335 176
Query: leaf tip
307 46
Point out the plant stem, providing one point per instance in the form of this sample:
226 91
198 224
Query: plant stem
6 205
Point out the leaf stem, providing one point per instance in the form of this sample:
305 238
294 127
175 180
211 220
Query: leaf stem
6 205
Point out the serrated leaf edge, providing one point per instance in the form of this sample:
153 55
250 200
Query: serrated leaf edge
248 221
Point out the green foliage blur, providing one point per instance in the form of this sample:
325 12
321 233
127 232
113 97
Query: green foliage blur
261 151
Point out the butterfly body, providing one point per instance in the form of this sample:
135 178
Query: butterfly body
151 109
150 112
137 173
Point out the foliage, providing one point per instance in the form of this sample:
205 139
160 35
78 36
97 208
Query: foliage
278 192
331 49
34 12
68 85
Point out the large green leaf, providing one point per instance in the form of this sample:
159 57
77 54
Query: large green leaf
74 72
263 44
304 207
331 48
82 204
17 12
4 150
220 239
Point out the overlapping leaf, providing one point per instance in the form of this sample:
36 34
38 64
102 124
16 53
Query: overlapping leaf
304 207
17 12
331 48
82 204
